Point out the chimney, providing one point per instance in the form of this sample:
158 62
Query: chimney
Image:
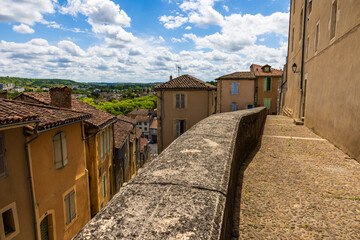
60 97
170 77
3 94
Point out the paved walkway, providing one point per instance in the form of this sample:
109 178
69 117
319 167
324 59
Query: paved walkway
298 186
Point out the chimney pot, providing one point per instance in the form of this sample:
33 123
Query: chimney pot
60 97
3 94
170 77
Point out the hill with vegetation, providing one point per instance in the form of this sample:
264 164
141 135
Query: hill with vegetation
123 107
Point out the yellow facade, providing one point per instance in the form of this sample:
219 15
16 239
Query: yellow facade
14 187
52 185
99 165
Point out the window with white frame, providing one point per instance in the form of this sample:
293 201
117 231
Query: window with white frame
180 100
3 165
234 88
10 224
60 150
103 146
70 212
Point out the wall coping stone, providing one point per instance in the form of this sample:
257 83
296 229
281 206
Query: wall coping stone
182 194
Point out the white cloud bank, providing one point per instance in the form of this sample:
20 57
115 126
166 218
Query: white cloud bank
23 28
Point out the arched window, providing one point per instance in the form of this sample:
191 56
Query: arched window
60 150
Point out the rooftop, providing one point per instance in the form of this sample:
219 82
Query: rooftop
258 71
139 111
99 119
121 131
185 82
237 75
49 117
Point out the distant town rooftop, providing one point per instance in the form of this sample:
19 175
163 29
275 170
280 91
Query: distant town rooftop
185 82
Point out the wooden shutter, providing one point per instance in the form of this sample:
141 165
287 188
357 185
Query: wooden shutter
72 205
182 100
265 84
44 230
104 184
177 128
57 151
67 209
3 167
64 149
234 88
177 100
103 145
109 139
267 102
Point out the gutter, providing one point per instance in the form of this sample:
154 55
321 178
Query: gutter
32 194
302 58
62 125
18 124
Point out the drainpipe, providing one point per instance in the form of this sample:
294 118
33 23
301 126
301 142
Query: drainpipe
287 62
302 58
30 178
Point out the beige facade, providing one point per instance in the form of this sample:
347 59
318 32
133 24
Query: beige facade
239 100
325 90
182 102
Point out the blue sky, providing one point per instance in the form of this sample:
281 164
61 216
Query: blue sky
139 40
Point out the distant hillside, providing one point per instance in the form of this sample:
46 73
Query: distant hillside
31 82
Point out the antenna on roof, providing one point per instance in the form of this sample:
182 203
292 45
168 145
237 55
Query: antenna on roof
178 68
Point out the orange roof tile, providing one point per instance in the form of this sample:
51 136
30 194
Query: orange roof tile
185 82
259 72
237 75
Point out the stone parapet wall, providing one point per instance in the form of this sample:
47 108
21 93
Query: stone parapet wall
188 191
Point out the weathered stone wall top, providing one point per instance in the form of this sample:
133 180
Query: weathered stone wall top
182 193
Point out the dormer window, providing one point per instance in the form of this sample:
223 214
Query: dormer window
266 68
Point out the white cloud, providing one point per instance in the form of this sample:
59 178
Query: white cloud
25 11
226 8
71 48
176 40
98 11
171 22
188 28
23 28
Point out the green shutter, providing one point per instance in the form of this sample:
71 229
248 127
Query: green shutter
265 84
267 102
57 151
72 205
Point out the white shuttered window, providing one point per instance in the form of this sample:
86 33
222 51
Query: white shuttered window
60 150
180 100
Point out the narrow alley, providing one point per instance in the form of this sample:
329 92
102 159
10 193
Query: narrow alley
297 185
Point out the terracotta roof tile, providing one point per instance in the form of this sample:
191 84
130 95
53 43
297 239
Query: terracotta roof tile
126 119
258 71
143 143
99 119
121 131
185 82
154 124
11 114
141 118
139 111
138 132
237 75
48 116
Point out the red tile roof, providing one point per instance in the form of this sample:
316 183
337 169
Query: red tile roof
143 143
138 132
141 118
121 131
237 75
154 124
126 119
259 72
99 119
139 111
10 114
48 116
185 82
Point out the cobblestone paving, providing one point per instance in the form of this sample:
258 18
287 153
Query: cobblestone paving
298 188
